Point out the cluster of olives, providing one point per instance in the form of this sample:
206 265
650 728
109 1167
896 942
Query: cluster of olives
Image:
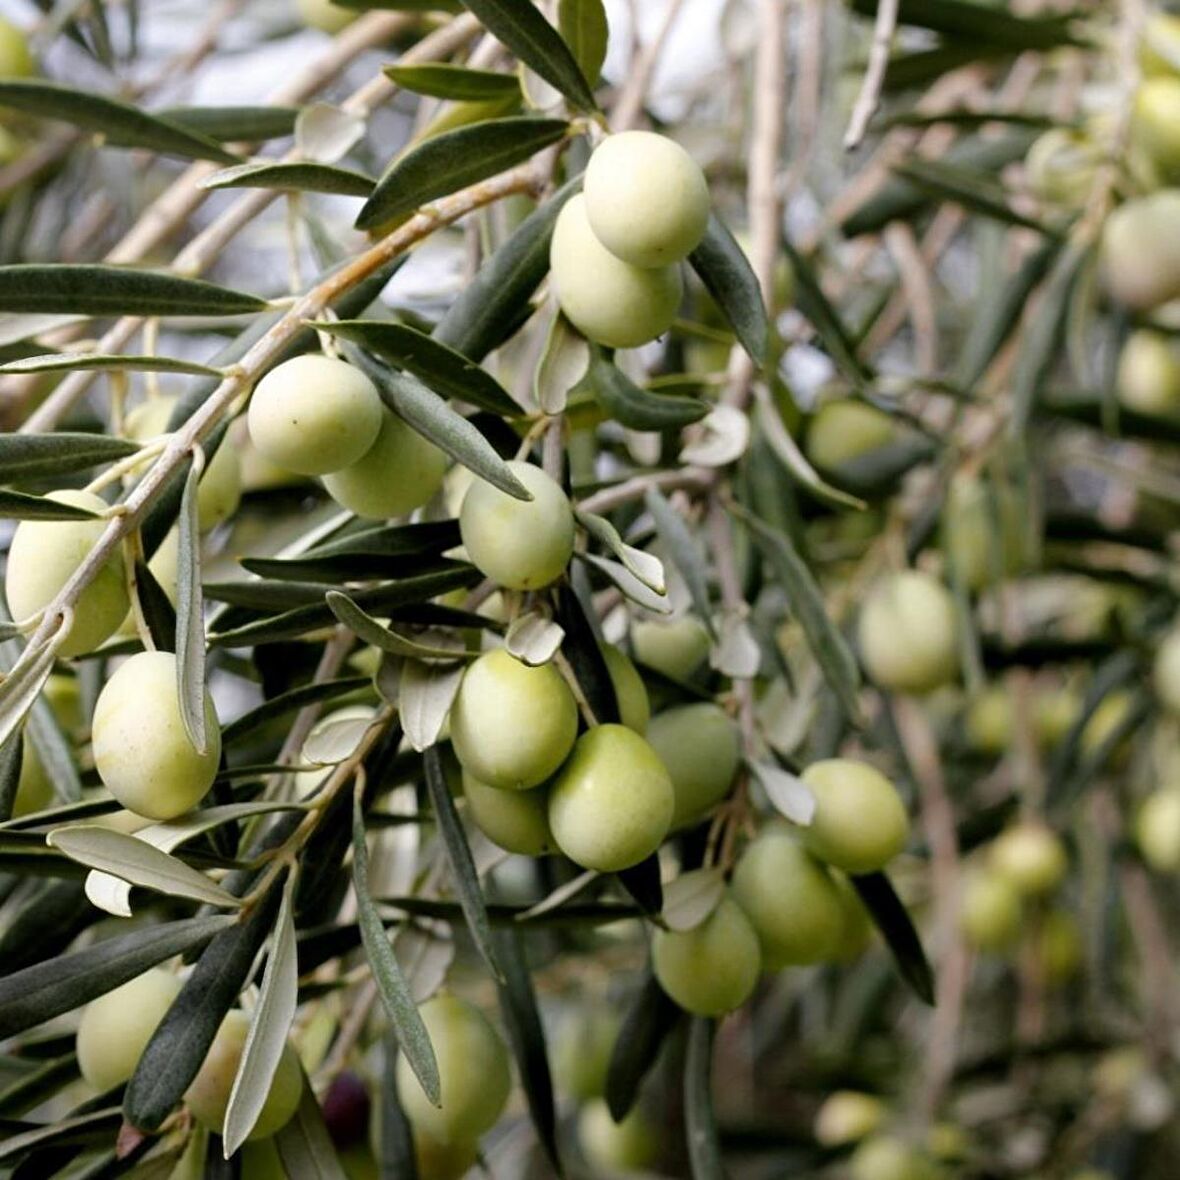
616 248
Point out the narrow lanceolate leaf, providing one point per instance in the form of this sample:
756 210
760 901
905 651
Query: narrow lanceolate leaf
562 366
288 702
296 175
139 863
190 623
460 83
978 192
628 583
722 265
471 899
395 1148
444 370
235 124
583 27
646 567
118 122
636 408
521 27
11 756
700 1122
21 687
68 361
692 897
649 1020
34 456
46 990
366 628
94 1125
304 1143
583 652
642 882
269 1026
412 1037
23 506
96 290
440 166
157 608
789 795
683 550
890 917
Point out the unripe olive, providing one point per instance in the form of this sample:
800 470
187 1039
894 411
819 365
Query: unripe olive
518 821
628 1146
1106 719
582 1052
1159 48
847 1116
1148 378
472 1068
983 532
885 1157
115 1028
511 725
34 791
988 721
220 490
1054 713
1157 830
1030 857
609 301
676 649
1059 947
15 59
646 198
790 898
1141 250
141 749
443 1161
323 14
699 744
208 1094
1061 166
990 912
42 558
611 805
314 414
908 633
713 968
630 691
859 824
522 544
1166 672
857 932
260 1161
397 474
843 430
1155 123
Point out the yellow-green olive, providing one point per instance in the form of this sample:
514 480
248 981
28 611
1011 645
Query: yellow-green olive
630 691
443 1161
1155 123
699 744
582 1052
1031 857
628 1146
1148 378
676 648
1061 166
856 935
908 633
323 14
1141 250
984 531
34 791
16 61
885 1157
1059 947
1159 47
988 721
843 430
847 1116
859 824
990 912
1166 671
1157 829
518 821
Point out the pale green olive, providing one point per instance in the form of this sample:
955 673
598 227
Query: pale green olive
115 1028
511 725
983 531
582 1052
1159 47
843 430
1061 166
472 1068
34 790
518 821
908 633
208 1094
859 824
790 898
990 912
1155 123
988 721
1157 829
885 1157
16 61
220 491
1054 713
521 544
700 746
141 749
856 935
443 1161
1166 671
630 691
713 968
1059 947
848 1116
676 649
1031 858
398 473
261 1161
1148 379
314 414
609 301
1141 250
646 198
611 805
323 14
629 1146
42 558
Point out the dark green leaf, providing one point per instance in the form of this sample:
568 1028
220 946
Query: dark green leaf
648 1021
23 506
968 20
305 1145
190 625
891 918
636 408
11 756
642 882
37 1085
158 612
84 1128
288 702
35 456
584 28
395 1149
303 176
723 267
700 1123
460 83
235 124
581 648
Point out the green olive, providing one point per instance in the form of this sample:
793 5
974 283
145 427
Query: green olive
323 14
908 633
1061 166
115 1028
984 531
1141 250
522 544
1155 123
700 746
676 649
1157 829
629 1146
848 1116
790 898
988 721
141 749
1059 947
16 60
1054 713
1159 47
990 912
1148 379
609 301
472 1068
646 198
1166 672
843 430
398 473
511 725
713 968
208 1094
443 1161
856 935
314 414
582 1052
42 558
260 1161
1031 858
859 824
518 821
885 1157
34 790
611 805
630 691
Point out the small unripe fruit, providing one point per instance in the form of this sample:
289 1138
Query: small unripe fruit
34 791
885 1157
398 473
699 745
443 1161
1059 947
582 1052
323 14
208 1094
988 721
115 1028
856 934
1061 166
860 824
15 59
1157 830
1159 48
1105 721
646 198
984 532
990 912
42 558
141 750
790 898
1141 250
629 1146
522 544
847 1116
843 430
1148 379
713 968
1155 123
630 691
908 634
314 414
1166 672
609 301
511 725
675 649
518 821
1030 857
612 804
1054 713
472 1068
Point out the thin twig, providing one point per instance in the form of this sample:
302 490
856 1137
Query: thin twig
633 95
869 97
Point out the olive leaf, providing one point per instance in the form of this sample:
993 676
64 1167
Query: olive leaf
583 27
293 175
890 917
691 898
645 567
533 638
723 267
304 1144
461 83
425 694
190 625
683 550
57 362
788 793
235 124
646 1025
700 1122
36 456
